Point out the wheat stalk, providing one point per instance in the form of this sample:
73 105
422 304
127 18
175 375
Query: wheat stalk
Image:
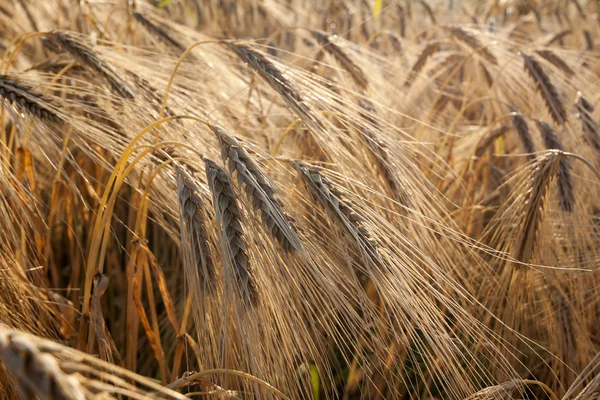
231 232
590 391
37 371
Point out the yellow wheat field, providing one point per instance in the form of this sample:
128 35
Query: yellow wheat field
300 199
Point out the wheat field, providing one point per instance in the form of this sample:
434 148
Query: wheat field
300 199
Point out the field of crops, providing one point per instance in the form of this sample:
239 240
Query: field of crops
300 199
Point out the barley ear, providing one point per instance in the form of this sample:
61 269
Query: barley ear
85 54
22 96
342 213
555 60
231 234
38 372
157 31
545 87
336 51
564 180
259 190
534 201
195 240
474 43
588 124
522 130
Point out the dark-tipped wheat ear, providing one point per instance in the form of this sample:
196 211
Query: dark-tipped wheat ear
588 125
427 52
341 212
473 43
355 71
534 201
544 85
379 151
429 11
86 56
231 232
258 189
522 130
555 60
273 76
20 94
589 41
193 228
558 37
158 31
489 138
564 180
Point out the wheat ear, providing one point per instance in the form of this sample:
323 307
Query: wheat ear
380 152
564 180
503 391
20 94
558 37
588 125
473 43
341 212
429 11
158 31
522 130
258 189
534 207
544 85
38 372
231 232
589 41
555 60
193 228
489 138
427 52
274 77
355 71
86 56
